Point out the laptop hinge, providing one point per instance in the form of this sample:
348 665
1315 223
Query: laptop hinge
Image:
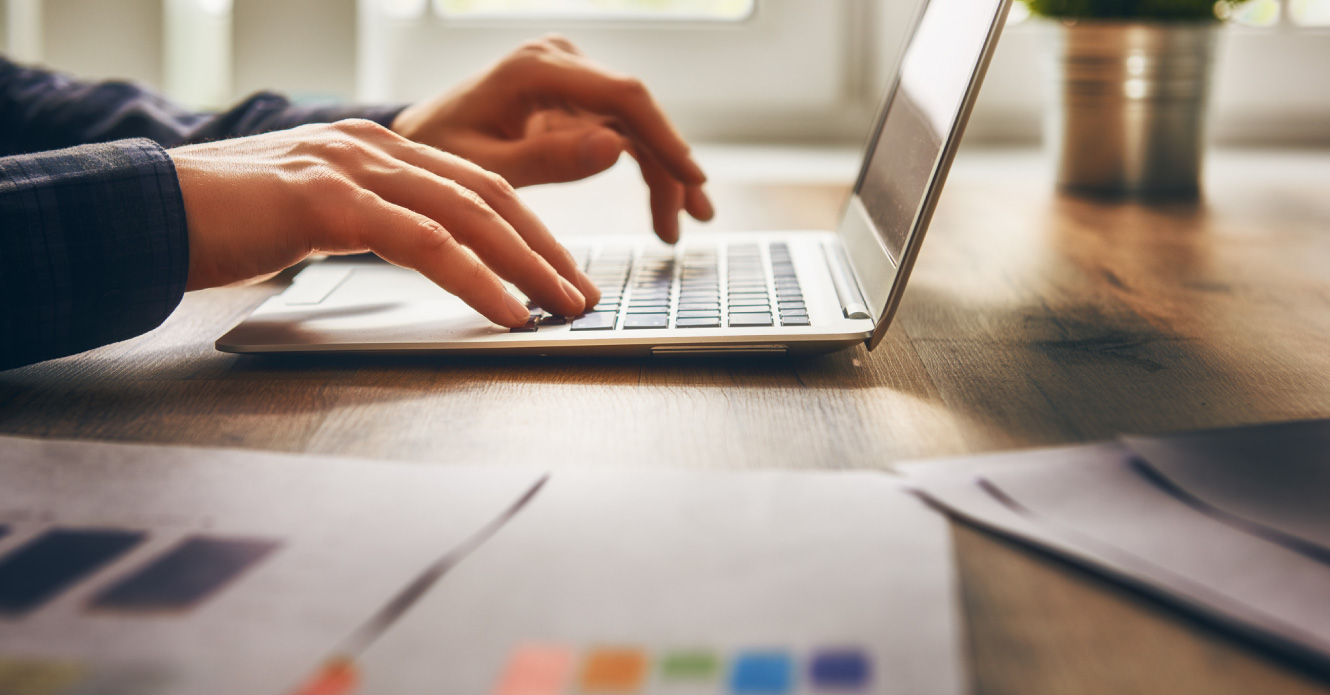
842 278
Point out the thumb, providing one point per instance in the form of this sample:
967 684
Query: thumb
560 156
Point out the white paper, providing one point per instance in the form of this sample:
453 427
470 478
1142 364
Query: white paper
658 560
351 533
1091 505
1276 476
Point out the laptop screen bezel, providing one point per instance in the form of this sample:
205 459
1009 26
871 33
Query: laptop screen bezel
881 279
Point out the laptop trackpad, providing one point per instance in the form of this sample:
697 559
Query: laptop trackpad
370 304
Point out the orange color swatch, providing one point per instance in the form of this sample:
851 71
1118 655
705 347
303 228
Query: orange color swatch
337 677
614 671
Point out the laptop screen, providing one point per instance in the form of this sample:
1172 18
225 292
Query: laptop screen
935 74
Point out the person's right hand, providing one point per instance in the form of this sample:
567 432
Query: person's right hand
258 205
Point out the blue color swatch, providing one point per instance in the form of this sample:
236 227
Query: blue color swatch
762 673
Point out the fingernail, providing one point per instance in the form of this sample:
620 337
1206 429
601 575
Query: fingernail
516 308
588 287
708 210
575 295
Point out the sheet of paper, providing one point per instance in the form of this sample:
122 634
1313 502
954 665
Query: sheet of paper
1276 476
135 569
670 582
1091 505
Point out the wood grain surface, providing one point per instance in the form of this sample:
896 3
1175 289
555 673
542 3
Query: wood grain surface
1032 320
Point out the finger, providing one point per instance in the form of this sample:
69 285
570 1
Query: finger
562 43
555 156
414 241
698 204
499 196
667 197
563 77
477 225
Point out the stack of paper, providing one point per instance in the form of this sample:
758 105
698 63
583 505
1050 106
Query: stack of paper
146 570
1234 524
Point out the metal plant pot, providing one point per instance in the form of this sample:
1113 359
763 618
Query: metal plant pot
1127 117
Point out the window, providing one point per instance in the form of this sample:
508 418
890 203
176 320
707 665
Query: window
695 10
756 70
724 69
1310 13
1268 85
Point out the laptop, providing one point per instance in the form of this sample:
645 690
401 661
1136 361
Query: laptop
796 292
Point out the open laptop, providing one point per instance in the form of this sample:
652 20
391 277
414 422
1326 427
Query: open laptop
770 292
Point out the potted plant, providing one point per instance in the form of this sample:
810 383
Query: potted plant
1131 79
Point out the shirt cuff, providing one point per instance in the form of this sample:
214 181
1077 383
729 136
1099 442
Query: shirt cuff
94 248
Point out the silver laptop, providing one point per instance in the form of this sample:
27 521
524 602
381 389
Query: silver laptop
767 292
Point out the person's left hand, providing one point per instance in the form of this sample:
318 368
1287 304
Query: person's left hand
547 114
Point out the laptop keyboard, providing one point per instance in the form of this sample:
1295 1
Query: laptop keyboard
737 286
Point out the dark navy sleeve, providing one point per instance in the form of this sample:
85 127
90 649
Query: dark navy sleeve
44 110
94 246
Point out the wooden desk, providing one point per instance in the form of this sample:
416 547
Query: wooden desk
1032 320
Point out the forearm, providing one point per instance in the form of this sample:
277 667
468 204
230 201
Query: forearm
94 248
43 110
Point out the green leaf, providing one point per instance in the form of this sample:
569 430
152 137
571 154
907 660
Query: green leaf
1128 9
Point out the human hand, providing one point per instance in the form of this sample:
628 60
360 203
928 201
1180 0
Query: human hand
546 114
258 205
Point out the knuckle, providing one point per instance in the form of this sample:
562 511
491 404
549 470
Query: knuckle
495 186
359 127
434 240
631 88
536 46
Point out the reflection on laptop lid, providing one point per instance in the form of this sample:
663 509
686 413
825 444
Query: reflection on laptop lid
918 131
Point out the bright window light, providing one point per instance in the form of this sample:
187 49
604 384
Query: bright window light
1255 13
713 10
216 8
404 9
1310 13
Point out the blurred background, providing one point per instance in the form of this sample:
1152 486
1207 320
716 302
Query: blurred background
791 71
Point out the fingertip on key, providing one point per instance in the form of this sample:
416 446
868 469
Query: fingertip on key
520 313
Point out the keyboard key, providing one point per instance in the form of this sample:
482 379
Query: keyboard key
791 305
750 320
756 301
760 309
707 322
699 314
794 320
646 321
699 306
595 321
793 312
553 321
530 327
607 306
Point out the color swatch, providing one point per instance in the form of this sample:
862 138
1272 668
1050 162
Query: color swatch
613 671
840 670
185 575
549 670
42 568
536 670
762 673
689 667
